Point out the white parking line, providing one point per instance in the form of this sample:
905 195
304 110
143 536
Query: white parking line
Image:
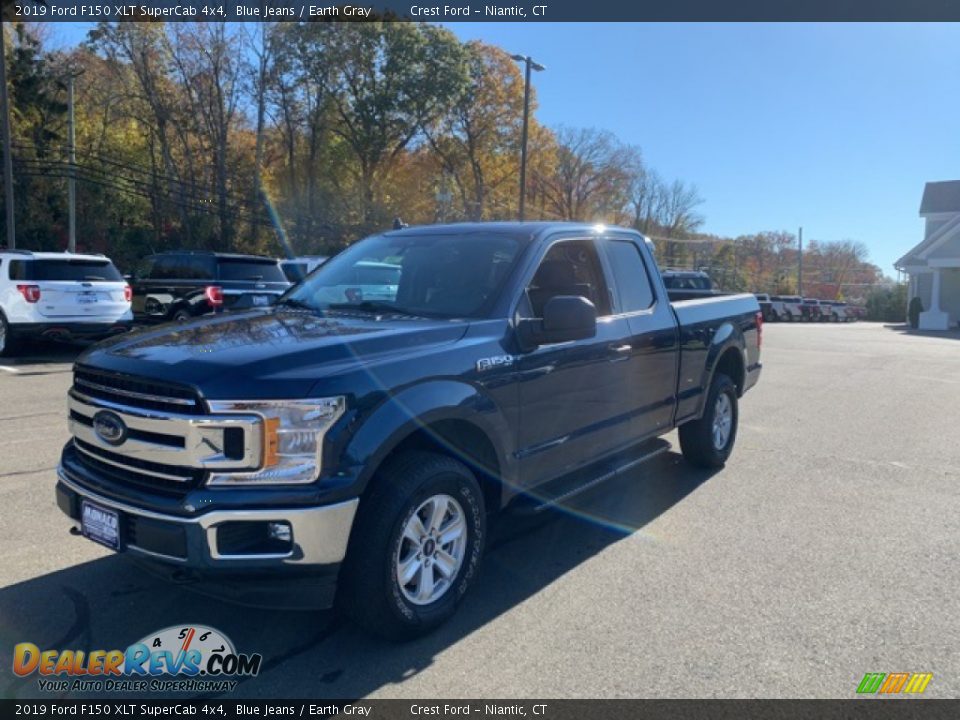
9 369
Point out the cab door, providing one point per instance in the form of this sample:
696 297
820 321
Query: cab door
652 344
573 403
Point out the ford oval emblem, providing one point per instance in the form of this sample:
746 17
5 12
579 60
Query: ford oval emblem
110 427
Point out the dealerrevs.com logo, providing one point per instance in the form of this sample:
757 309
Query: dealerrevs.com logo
181 658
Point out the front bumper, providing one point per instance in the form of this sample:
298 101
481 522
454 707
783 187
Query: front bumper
194 544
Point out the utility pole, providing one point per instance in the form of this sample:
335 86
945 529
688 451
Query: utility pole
530 65
72 180
7 151
800 264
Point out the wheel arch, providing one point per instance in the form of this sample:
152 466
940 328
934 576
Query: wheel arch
447 417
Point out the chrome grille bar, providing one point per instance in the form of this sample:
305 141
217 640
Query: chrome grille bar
152 473
133 395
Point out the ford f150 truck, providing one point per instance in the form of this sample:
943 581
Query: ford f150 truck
363 445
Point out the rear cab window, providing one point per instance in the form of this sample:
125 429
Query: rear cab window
630 275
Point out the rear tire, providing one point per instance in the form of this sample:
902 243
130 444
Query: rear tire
708 442
181 315
8 345
401 579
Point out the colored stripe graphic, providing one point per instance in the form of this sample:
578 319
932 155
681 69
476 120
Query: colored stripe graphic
918 683
894 683
871 683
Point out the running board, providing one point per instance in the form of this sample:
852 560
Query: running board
558 491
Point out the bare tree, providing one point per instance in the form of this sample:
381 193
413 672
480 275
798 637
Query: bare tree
206 58
142 49
591 174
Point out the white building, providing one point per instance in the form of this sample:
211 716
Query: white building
934 264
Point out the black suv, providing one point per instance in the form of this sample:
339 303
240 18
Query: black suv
181 285
688 285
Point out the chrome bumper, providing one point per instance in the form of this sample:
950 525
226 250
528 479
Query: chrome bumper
319 534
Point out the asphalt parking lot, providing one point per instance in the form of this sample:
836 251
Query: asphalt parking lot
825 549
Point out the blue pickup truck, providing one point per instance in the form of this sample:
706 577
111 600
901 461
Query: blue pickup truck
360 443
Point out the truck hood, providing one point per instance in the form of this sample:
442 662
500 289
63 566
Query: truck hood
268 353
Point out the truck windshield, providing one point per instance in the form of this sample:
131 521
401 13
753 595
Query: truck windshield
427 275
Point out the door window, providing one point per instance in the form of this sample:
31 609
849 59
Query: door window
570 267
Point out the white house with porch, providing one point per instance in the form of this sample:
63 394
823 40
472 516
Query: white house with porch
934 264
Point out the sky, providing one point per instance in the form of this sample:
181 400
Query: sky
832 127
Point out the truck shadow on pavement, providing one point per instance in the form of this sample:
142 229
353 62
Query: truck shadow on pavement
34 357
111 602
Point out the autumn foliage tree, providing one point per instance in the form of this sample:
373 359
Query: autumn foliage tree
312 135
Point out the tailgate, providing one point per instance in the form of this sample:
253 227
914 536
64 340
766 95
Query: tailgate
88 300
262 295
76 287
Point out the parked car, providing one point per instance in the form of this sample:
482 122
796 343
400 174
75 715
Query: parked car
840 312
60 296
182 285
364 445
688 284
296 269
766 306
367 280
786 308
810 310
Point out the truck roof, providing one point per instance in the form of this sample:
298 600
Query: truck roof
524 231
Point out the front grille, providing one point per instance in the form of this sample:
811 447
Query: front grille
140 474
137 392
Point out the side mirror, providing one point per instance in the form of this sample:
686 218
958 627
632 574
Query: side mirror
565 318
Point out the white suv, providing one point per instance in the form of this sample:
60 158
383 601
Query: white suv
60 296
786 307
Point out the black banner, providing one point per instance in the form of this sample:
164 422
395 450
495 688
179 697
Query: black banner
878 709
481 10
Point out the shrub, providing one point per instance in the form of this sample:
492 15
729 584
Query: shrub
913 312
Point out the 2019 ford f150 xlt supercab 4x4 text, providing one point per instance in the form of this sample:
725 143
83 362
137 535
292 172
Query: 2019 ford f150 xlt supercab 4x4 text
363 444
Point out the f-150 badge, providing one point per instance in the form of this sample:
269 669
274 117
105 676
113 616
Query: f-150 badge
489 363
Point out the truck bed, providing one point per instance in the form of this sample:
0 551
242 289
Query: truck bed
703 324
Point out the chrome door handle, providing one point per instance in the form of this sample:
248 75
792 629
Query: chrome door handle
619 353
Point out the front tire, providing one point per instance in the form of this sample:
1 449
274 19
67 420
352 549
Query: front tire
708 442
415 547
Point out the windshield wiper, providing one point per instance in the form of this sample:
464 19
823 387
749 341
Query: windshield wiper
373 307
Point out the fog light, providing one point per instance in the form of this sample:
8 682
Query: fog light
279 531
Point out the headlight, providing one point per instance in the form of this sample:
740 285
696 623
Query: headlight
293 433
